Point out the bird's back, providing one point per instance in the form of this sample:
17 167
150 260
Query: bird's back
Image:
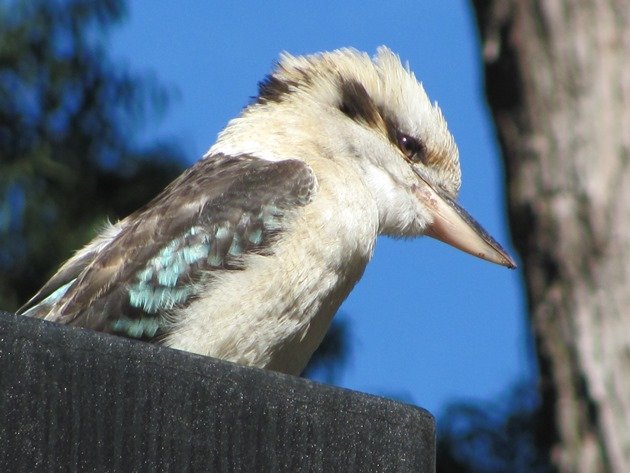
135 273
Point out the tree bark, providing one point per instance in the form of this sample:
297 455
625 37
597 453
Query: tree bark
558 84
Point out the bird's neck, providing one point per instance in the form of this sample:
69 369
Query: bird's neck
290 297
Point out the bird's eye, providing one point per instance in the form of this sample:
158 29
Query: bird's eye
412 148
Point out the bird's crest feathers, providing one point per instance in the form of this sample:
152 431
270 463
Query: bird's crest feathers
394 90
249 253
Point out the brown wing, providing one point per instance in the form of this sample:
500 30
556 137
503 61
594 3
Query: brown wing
220 209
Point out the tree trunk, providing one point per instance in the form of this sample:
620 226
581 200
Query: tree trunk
558 84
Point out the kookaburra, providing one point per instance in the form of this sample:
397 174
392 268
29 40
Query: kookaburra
250 252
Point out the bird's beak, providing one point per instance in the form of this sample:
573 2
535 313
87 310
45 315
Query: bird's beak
454 226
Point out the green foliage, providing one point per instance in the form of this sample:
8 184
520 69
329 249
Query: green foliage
67 113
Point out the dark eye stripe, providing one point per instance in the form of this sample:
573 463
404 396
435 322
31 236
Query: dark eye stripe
357 104
413 148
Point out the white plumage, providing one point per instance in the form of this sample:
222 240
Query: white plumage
249 254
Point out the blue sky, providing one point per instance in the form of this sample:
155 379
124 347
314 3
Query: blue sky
427 322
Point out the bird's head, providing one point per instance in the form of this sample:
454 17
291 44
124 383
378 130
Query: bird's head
371 114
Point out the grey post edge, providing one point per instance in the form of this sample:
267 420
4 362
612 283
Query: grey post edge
77 400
